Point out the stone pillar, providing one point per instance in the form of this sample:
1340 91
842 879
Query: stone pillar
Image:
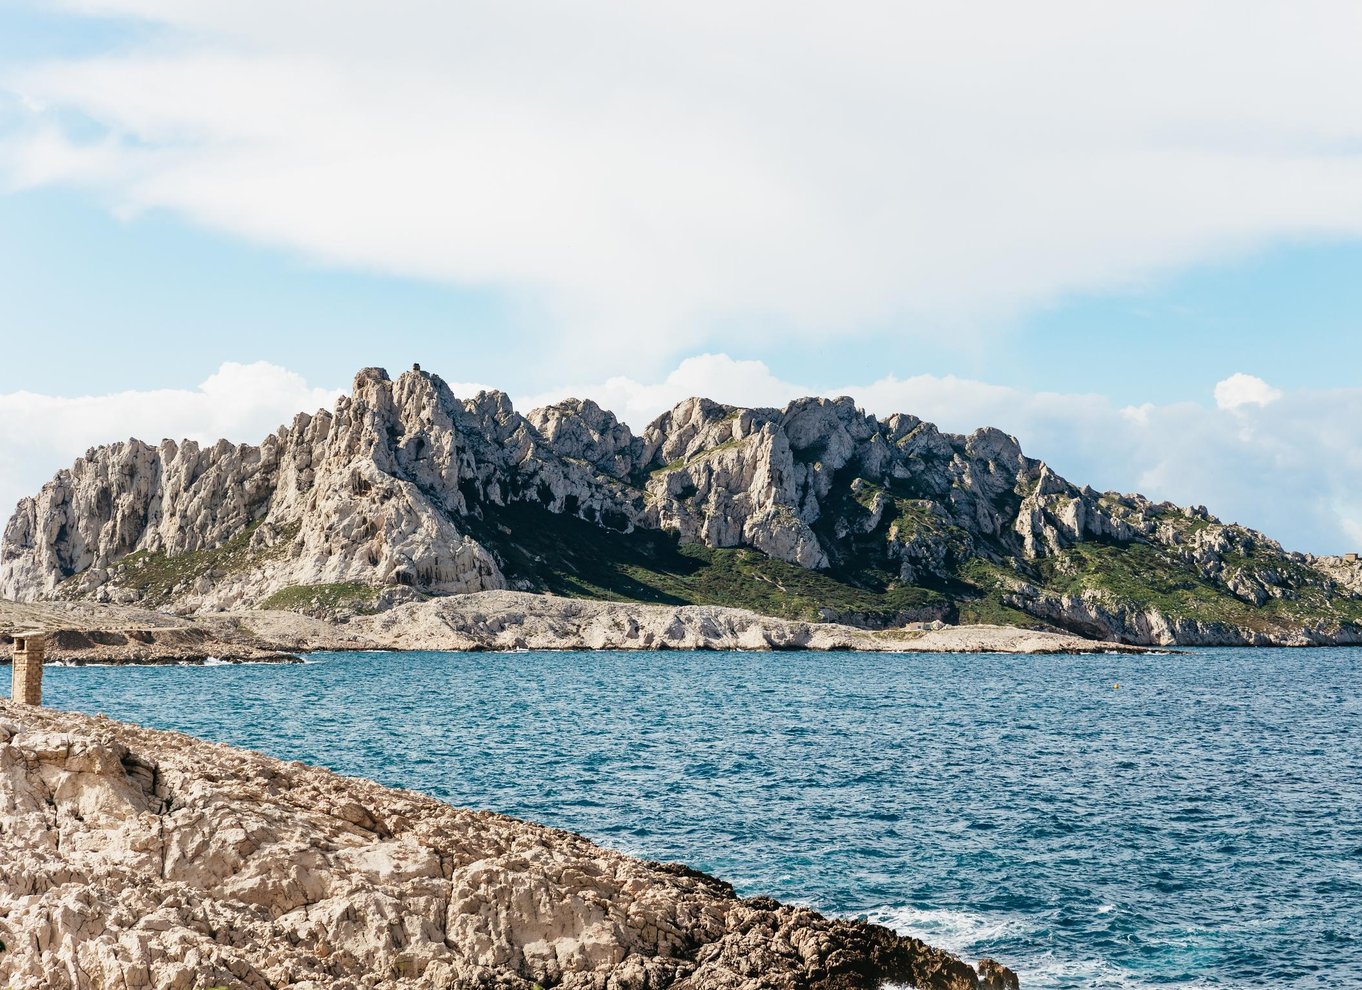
29 649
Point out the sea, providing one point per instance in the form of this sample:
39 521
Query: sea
1182 820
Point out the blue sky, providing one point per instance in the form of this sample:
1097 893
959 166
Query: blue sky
896 201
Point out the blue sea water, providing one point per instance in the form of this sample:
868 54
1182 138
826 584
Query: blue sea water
1199 826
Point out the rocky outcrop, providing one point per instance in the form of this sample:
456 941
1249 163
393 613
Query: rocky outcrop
405 487
1096 615
135 858
360 493
488 620
387 488
1345 569
504 620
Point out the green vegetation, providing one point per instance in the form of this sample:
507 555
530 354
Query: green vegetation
990 610
569 556
348 595
156 576
1144 576
860 554
914 517
981 603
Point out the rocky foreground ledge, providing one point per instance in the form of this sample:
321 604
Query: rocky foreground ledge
489 620
132 858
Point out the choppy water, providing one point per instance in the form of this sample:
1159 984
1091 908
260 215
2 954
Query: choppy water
1199 827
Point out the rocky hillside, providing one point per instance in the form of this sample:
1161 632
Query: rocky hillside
142 859
814 511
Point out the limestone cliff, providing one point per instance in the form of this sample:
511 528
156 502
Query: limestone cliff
813 511
132 858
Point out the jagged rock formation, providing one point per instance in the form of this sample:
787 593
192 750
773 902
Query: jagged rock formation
135 858
812 511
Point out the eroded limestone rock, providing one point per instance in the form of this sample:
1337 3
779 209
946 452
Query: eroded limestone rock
135 858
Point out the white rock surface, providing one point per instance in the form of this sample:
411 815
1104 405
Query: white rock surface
142 860
506 620
490 620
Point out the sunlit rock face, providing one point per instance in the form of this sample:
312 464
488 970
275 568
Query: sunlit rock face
136 858
406 486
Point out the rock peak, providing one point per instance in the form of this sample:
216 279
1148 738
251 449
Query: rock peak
367 376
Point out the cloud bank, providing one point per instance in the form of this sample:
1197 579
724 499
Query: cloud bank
1283 461
653 172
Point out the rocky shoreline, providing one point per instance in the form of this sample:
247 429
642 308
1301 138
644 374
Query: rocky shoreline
137 858
500 620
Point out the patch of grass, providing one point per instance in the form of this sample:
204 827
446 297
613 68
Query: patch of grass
1140 575
983 585
348 595
865 494
991 610
914 516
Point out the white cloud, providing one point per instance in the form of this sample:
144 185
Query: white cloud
675 166
1244 390
39 434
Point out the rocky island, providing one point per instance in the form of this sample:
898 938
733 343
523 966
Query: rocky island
133 858
406 496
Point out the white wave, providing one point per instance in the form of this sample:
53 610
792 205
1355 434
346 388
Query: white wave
961 932
1049 973
1090 975
971 935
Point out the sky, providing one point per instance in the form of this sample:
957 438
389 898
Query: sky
1130 237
